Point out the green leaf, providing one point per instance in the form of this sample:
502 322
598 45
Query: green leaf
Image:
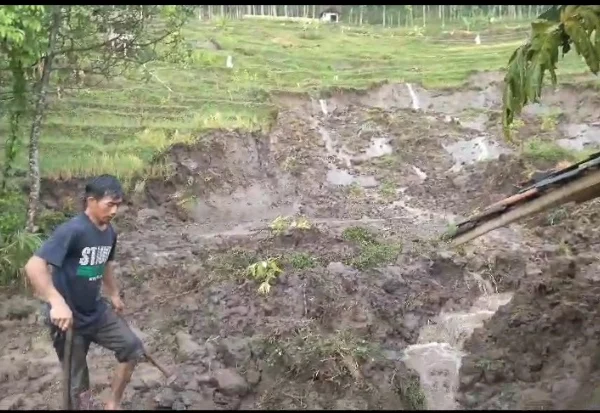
558 27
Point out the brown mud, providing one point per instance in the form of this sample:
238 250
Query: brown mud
379 174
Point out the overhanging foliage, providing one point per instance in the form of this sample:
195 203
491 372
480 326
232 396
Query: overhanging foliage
558 27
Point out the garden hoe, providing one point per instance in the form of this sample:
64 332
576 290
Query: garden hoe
171 377
576 183
67 369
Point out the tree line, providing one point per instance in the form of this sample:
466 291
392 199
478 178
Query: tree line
400 15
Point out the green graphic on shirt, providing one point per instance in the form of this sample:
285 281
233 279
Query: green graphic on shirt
92 262
90 271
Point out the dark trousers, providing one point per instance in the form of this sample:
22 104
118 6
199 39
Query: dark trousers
112 333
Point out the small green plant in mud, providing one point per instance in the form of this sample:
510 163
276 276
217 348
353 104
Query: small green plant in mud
556 216
187 202
387 189
387 161
265 272
412 394
450 231
539 150
372 252
358 235
549 122
355 190
309 354
516 125
282 224
489 365
232 264
372 255
290 164
302 260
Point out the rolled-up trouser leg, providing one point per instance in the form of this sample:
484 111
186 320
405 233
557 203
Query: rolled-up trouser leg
80 377
114 334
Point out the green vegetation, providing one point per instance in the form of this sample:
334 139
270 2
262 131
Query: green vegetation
412 395
16 246
371 251
265 272
537 149
387 189
119 125
554 31
302 260
282 224
307 354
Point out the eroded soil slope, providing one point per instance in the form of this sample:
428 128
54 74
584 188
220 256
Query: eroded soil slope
379 181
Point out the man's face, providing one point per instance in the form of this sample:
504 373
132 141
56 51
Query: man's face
104 209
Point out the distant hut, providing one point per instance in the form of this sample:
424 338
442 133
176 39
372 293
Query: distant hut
330 15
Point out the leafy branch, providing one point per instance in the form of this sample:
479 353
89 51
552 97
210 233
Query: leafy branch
558 27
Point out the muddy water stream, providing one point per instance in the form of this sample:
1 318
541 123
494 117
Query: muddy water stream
437 356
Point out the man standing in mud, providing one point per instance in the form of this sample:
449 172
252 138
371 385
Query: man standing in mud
81 253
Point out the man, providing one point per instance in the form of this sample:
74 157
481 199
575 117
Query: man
81 252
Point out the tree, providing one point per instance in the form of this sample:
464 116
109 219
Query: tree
557 28
21 33
70 41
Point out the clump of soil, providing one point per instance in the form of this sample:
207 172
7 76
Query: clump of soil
541 350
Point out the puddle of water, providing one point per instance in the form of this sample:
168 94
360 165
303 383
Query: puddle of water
477 123
342 177
437 356
419 173
539 109
475 150
379 147
580 136
414 97
323 104
335 176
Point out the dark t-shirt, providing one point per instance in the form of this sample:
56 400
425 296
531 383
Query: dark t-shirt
78 252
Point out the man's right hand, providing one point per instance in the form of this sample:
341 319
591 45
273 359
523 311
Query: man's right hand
61 315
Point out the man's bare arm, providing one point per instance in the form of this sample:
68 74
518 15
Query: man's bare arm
41 280
109 281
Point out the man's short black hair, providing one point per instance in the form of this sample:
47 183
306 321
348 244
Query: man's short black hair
102 186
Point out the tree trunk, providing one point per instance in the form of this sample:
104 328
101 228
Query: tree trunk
36 124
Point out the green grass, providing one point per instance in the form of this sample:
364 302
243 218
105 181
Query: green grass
371 252
537 149
119 126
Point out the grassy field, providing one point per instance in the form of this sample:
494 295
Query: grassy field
119 126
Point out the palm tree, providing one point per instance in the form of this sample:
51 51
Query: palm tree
557 28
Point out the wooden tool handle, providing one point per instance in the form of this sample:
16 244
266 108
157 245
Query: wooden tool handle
156 364
67 351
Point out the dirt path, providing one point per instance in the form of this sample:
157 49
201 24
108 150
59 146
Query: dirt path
371 311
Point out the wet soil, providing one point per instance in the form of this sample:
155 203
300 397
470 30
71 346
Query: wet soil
380 175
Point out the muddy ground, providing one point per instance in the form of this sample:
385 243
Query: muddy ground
379 175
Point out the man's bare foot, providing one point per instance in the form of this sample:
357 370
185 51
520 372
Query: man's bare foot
112 405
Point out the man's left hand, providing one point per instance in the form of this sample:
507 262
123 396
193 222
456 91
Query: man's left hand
117 303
